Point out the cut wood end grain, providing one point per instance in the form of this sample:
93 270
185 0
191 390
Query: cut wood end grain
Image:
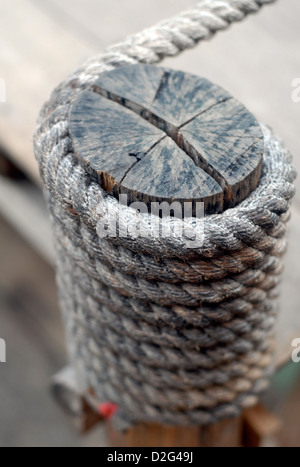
157 135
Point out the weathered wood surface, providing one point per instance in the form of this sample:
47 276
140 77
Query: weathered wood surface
157 134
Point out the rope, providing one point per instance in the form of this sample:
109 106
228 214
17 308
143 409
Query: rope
168 332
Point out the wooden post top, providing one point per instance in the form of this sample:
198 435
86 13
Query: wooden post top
163 135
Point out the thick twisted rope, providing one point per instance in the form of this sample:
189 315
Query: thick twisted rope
169 332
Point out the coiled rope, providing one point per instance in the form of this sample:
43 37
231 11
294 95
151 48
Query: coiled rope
169 333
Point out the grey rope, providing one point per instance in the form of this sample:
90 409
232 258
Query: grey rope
169 333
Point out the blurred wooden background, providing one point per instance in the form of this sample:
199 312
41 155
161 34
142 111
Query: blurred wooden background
43 42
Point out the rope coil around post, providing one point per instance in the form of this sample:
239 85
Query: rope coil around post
169 333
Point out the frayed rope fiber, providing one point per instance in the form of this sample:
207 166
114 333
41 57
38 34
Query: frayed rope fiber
168 333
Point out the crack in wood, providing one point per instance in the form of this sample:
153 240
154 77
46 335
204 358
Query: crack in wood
139 158
168 128
164 80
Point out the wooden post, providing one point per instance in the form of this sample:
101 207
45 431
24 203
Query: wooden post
227 433
161 135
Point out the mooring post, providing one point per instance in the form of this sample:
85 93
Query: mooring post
169 204
158 135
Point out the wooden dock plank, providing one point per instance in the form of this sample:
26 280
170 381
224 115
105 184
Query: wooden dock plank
101 23
23 205
36 54
31 325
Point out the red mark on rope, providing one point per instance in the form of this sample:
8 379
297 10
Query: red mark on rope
108 409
